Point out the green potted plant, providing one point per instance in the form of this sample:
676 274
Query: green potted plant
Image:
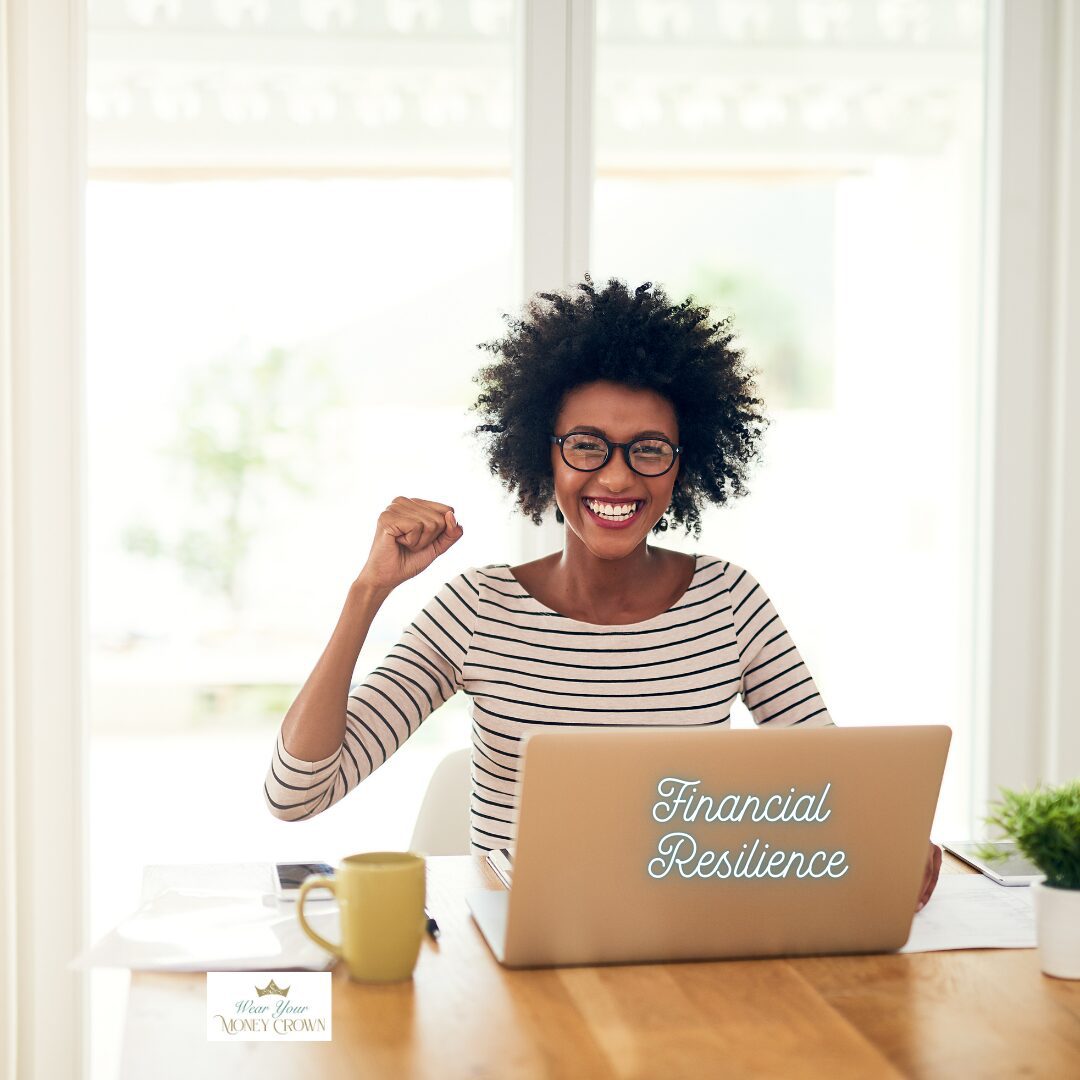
1045 824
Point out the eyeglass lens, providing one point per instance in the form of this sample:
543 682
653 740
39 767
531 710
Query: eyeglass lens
650 457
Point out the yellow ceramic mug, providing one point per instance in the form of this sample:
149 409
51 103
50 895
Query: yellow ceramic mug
381 896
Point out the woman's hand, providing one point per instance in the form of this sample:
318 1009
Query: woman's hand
411 535
930 875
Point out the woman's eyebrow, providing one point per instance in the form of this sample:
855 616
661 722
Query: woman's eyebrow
599 431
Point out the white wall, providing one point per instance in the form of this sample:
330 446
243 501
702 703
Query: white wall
1027 687
42 542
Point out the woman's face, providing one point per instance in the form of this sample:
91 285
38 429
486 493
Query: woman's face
620 414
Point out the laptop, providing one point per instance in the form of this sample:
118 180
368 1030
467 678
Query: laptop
639 845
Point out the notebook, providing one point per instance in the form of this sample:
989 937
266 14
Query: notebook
659 844
501 862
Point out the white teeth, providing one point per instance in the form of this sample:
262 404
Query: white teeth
619 512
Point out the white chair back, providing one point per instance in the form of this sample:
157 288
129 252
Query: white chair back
442 825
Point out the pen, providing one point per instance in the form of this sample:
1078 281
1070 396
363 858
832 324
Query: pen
432 925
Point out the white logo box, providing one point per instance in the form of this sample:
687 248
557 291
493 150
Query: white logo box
268 1006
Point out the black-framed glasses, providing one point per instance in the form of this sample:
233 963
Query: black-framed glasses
586 452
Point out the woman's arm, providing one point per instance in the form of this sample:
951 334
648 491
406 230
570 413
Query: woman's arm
314 726
419 674
307 772
775 684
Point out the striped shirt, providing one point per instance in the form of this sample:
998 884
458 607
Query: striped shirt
525 667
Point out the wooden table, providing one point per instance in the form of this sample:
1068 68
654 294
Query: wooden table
970 1013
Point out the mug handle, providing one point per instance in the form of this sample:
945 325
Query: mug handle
312 883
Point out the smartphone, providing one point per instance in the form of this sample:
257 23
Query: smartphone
291 875
1014 870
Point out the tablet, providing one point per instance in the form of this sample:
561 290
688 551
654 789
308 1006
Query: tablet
1012 870
290 876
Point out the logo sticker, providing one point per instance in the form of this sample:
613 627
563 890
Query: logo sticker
268 1006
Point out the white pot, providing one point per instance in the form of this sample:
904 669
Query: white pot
1057 923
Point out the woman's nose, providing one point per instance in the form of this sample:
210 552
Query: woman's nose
615 473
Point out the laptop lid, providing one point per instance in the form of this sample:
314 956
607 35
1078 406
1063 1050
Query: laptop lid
658 844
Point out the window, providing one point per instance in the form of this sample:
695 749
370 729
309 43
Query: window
299 225
300 220
815 170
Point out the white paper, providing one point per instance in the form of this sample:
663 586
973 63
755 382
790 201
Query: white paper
969 911
214 918
252 877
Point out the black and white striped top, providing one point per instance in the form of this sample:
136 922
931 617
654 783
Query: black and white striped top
524 666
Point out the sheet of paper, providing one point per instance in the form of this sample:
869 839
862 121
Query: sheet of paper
214 918
257 877
969 911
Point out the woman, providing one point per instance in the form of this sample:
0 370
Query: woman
630 413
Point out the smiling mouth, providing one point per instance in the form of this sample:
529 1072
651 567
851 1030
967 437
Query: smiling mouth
613 513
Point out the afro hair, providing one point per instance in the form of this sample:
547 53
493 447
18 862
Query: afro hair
639 339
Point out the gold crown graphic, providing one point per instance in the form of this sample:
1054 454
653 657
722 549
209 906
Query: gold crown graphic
272 988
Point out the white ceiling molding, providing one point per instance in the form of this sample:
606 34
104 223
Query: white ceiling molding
426 85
